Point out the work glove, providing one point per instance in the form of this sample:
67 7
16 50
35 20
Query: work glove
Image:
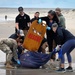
39 21
18 62
48 28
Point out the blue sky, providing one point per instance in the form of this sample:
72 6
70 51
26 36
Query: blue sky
38 3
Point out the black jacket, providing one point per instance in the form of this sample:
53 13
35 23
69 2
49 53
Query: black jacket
62 35
33 19
46 18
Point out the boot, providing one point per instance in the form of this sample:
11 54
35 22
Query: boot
8 65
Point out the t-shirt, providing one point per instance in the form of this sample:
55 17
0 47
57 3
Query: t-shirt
23 21
33 19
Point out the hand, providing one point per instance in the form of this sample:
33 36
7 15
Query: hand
48 28
39 21
58 47
18 62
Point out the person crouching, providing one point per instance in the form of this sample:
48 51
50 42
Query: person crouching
9 46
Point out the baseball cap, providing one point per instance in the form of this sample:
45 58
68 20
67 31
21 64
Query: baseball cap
20 9
20 32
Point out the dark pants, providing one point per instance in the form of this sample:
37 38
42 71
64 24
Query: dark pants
50 38
67 48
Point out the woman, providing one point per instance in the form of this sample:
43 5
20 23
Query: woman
67 41
50 19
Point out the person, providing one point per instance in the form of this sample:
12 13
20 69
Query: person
50 19
19 37
43 46
44 43
9 46
5 17
36 16
61 18
66 40
22 21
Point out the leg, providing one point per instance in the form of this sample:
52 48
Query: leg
50 43
67 48
69 56
50 39
14 49
8 52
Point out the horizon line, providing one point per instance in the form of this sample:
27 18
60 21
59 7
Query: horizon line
36 8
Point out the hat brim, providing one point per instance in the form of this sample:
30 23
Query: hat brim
21 34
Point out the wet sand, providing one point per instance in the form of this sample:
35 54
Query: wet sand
32 72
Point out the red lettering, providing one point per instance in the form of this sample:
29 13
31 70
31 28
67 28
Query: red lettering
34 37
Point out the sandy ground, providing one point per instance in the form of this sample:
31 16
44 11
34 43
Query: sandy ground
8 27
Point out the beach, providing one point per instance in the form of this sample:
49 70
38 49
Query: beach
7 27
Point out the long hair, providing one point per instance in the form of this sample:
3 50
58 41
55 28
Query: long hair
55 18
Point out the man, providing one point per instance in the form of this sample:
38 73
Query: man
22 21
44 43
66 40
9 46
36 16
61 18
19 37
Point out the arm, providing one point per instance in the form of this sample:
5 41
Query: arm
62 22
60 36
29 24
28 21
17 23
44 18
17 26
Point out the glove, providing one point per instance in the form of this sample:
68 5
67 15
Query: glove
39 21
58 47
48 28
18 62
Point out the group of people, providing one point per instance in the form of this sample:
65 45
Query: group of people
58 38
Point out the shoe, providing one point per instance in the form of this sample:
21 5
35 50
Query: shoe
61 70
9 66
69 69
